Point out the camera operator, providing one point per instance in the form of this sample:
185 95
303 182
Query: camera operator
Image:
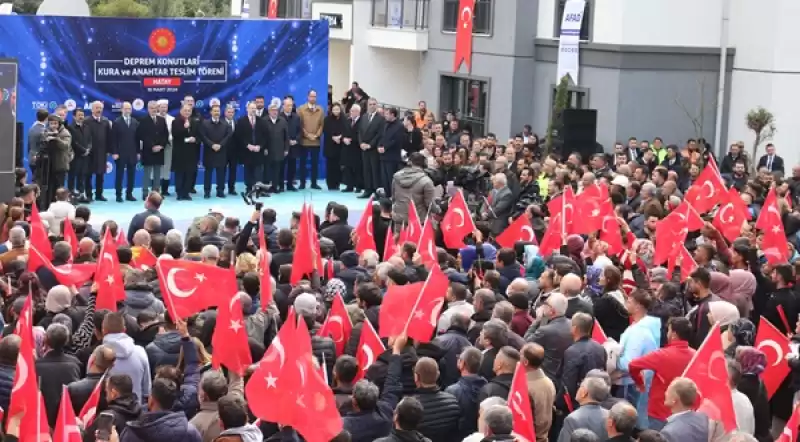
57 148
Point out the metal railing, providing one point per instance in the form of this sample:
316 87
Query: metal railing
401 14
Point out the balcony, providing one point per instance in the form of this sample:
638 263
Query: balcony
399 24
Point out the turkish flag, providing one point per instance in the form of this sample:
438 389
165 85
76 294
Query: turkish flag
365 233
731 215
552 239
370 347
264 389
143 258
398 302
190 287
770 212
66 429
305 261
33 425
70 237
790 430
565 205
67 274
706 191
427 246
610 231
110 286
389 246
25 394
709 371
519 230
424 315
39 238
774 244
414 226
229 341
598 334
272 9
89 410
593 207
121 239
463 52
264 276
687 263
457 222
769 337
672 230
520 404
337 325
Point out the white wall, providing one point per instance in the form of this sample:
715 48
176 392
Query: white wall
339 67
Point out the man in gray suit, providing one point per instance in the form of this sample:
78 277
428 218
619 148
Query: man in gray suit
35 137
277 147
554 335
685 424
502 204
590 415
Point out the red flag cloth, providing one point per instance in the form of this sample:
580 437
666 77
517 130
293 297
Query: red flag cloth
264 390
89 410
33 425
404 236
788 198
551 241
770 212
709 371
790 430
66 429
70 237
337 325
272 9
427 246
610 231
598 334
190 287
769 337
519 230
672 230
593 207
706 191
121 239
463 52
424 316
264 276
143 258
774 244
731 215
229 341
67 274
389 246
396 307
25 390
414 227
304 262
39 238
365 232
565 205
370 347
687 263
110 286
457 222
520 404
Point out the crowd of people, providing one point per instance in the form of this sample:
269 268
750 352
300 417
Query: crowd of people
603 333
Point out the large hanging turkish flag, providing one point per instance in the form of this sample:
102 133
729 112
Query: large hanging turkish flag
463 53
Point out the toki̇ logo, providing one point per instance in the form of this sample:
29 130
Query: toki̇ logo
39 105
575 17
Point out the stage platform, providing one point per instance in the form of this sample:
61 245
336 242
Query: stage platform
183 212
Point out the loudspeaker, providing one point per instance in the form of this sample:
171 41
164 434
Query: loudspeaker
8 127
579 132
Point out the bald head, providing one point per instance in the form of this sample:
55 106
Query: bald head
397 262
142 237
426 372
86 246
571 285
532 355
519 285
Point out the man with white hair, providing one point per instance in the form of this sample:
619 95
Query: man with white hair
277 147
232 162
163 112
209 255
154 134
501 204
571 285
152 224
18 249
352 175
100 133
483 409
85 251
555 336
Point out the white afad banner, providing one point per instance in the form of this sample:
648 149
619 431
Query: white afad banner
569 40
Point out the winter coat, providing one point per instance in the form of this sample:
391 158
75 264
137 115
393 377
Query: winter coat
404 436
452 343
582 356
125 409
207 421
247 433
368 425
339 232
377 372
99 132
212 133
442 414
56 369
499 386
466 392
80 391
139 299
334 126
6 384
311 121
130 360
160 426
59 149
411 186
164 350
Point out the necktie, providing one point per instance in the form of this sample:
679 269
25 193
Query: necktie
253 132
155 119
252 121
769 163
128 121
370 117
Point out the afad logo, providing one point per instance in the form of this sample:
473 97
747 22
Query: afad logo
162 42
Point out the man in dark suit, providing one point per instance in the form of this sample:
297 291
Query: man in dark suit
771 161
293 123
502 204
232 163
76 178
125 151
35 137
196 120
394 138
351 157
277 147
250 135
100 134
215 135
370 135
154 135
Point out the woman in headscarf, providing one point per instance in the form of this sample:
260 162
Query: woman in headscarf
534 264
742 333
742 288
721 286
592 282
645 250
723 312
574 250
753 363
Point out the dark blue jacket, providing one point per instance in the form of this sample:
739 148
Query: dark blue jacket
452 342
160 426
188 402
137 223
466 392
368 425
293 121
6 384
508 274
395 137
164 350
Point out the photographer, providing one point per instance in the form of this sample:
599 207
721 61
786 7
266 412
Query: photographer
55 155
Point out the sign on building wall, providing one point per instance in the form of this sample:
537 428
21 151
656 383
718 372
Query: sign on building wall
569 41
396 13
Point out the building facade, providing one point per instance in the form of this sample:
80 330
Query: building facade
650 68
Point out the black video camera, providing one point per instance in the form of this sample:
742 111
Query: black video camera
259 190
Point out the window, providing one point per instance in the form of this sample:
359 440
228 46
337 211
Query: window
586 24
577 98
468 99
409 14
287 8
481 22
